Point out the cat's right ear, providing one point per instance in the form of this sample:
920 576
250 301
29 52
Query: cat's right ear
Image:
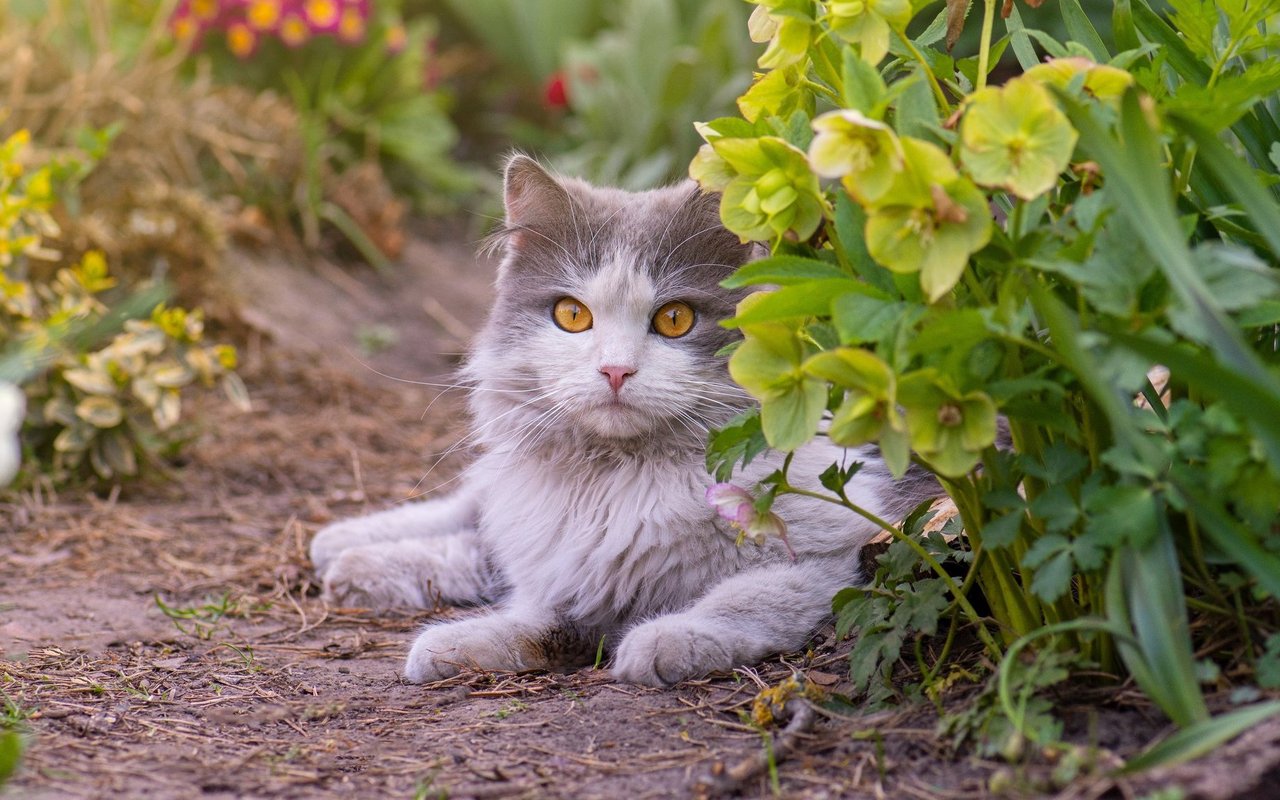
534 200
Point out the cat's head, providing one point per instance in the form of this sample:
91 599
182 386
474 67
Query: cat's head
605 320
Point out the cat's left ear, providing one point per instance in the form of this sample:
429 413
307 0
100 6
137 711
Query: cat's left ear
702 209
532 197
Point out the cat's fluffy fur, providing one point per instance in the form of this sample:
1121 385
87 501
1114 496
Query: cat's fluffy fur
584 515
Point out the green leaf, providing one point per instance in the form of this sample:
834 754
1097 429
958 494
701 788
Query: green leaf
1239 542
1145 594
782 270
1236 176
100 412
863 89
811 298
1022 46
917 114
1050 558
1134 172
10 754
850 221
863 318
790 418
1002 531
1122 26
1081 29
1201 738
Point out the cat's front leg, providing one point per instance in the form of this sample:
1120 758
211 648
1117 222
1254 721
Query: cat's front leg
445 515
510 639
450 569
741 620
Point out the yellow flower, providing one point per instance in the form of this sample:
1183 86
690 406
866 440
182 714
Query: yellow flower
322 14
184 28
204 10
351 26
241 39
294 31
263 15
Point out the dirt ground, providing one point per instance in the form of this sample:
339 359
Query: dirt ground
168 641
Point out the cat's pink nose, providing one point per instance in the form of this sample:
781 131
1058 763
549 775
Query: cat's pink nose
616 376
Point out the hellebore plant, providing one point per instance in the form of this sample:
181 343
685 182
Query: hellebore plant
946 253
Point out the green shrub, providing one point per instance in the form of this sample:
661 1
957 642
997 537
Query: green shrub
91 411
948 251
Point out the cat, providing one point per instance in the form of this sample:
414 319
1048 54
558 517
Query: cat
584 517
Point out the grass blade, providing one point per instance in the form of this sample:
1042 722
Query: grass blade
1235 176
1254 400
1081 29
1237 541
1132 165
1147 596
1201 738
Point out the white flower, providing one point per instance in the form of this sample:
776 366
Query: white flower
12 407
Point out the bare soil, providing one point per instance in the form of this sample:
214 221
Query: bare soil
250 686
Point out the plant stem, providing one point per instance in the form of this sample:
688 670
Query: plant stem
984 45
924 555
944 108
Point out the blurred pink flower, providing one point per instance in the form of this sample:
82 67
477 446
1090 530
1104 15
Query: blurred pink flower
555 93
738 506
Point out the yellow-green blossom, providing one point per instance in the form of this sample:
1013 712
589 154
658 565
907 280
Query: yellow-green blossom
786 25
1016 138
863 152
948 429
930 220
867 23
767 188
1100 81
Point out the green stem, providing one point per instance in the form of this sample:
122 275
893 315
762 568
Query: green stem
944 108
984 46
919 550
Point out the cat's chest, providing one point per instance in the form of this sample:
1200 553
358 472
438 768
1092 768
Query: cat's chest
605 539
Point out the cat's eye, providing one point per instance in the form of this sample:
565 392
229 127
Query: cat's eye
570 315
674 319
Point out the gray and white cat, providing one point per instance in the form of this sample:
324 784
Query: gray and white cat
594 383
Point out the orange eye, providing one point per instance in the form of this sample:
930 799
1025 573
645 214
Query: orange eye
673 320
570 315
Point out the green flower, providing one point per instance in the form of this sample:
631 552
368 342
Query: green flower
767 188
776 94
768 364
786 25
929 221
949 430
867 24
870 411
1100 81
1016 138
860 150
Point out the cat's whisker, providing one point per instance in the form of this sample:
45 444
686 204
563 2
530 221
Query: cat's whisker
600 228
472 438
686 240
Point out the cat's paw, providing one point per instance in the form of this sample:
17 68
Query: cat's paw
442 651
335 539
668 650
364 577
